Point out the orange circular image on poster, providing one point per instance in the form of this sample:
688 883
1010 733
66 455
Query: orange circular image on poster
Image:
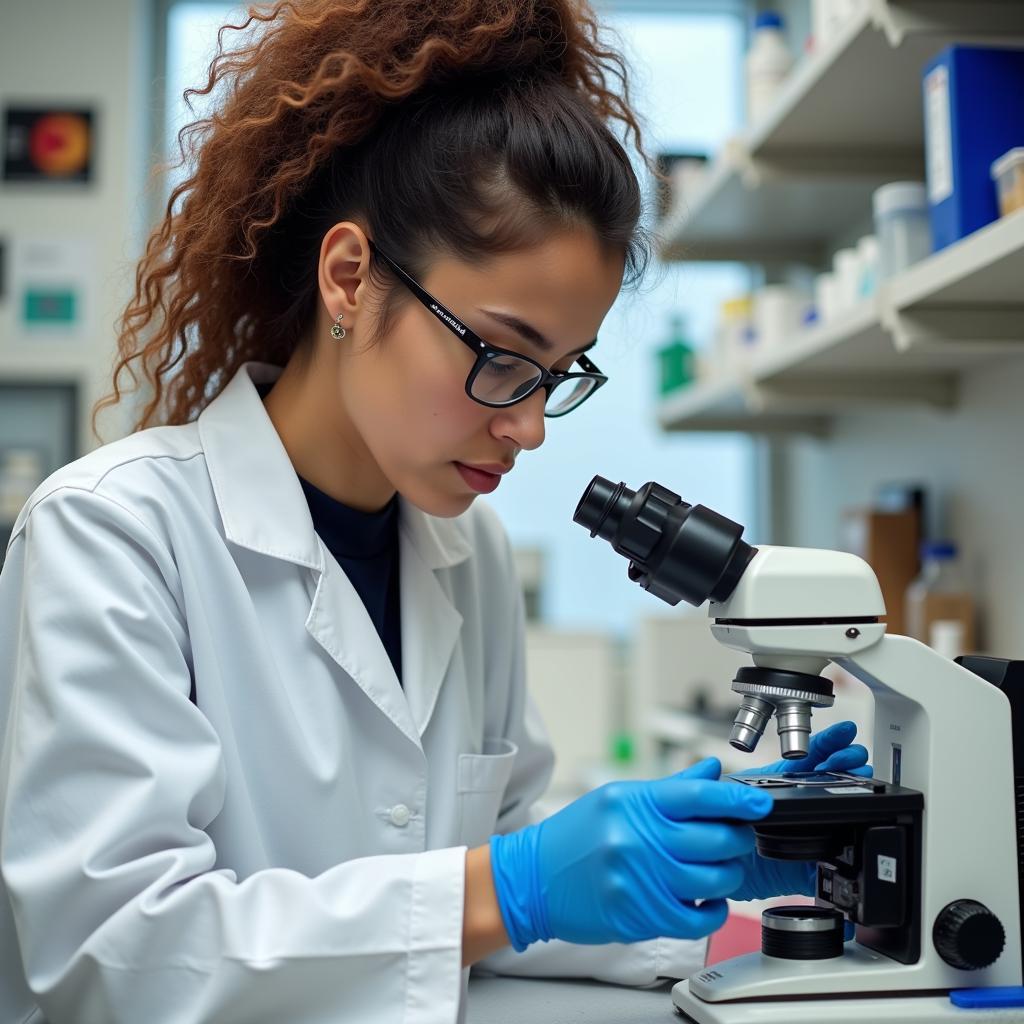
59 144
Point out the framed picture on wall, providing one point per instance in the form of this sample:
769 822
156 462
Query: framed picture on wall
48 144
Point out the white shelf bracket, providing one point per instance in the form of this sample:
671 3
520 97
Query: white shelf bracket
979 331
967 18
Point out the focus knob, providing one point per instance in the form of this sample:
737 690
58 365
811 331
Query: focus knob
968 935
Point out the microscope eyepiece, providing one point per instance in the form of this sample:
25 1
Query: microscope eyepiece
602 507
678 552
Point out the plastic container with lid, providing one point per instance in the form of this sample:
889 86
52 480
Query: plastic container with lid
902 226
846 267
735 335
768 63
868 251
826 297
1008 174
938 604
778 312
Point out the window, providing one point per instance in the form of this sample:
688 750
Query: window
191 43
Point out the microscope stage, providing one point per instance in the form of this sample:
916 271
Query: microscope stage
822 797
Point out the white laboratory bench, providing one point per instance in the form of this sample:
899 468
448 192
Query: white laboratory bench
550 1001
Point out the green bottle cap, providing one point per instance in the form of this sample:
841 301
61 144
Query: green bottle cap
623 748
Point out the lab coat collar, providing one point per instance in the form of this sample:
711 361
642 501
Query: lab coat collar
264 509
258 492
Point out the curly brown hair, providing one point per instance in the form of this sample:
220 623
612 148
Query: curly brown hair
464 127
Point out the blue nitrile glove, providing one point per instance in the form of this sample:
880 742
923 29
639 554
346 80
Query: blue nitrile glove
830 750
627 861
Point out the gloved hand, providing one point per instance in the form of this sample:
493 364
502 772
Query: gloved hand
830 750
628 861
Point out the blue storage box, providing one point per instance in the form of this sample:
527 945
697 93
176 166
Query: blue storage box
973 113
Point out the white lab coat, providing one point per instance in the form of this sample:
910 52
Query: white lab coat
291 846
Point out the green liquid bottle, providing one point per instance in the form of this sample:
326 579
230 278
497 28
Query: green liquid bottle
676 358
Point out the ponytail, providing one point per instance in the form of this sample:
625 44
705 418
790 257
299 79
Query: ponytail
467 128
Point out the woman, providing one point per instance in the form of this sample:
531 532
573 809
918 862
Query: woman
268 754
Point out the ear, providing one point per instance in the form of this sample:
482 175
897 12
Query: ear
344 270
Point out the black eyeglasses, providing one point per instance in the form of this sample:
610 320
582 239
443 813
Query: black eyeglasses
499 377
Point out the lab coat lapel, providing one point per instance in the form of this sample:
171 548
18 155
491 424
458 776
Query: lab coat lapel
430 621
339 623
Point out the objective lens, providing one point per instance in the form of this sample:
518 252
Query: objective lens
793 719
750 723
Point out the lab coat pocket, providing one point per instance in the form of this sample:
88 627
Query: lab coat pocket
482 779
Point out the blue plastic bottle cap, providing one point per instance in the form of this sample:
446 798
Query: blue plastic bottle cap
768 19
988 998
938 549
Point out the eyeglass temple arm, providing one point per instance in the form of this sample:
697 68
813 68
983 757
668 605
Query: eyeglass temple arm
448 318
440 311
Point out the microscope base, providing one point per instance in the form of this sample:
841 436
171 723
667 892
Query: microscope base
884 1010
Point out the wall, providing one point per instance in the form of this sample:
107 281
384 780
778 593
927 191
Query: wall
971 458
91 54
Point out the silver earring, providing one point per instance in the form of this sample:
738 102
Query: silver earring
337 331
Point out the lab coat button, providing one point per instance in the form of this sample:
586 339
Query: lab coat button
400 815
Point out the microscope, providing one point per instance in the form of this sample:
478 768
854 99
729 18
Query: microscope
926 859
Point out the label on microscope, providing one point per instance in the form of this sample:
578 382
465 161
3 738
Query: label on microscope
886 869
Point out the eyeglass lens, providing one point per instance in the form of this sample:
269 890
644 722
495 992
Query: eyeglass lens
567 395
504 379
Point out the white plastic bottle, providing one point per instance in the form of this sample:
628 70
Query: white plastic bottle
768 62
939 609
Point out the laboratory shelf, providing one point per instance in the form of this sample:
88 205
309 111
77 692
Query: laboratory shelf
848 120
746 215
841 366
969 297
741 405
951 312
